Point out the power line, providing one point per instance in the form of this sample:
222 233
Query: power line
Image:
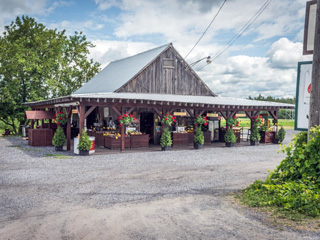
207 28
241 31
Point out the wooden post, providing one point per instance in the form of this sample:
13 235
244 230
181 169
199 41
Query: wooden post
122 137
314 109
81 118
69 111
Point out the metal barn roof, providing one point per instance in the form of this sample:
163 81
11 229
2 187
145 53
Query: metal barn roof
117 73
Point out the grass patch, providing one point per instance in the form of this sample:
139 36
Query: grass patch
279 218
58 156
245 122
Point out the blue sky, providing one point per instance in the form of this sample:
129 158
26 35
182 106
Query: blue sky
262 61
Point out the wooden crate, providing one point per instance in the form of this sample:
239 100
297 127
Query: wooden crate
99 139
139 141
40 137
207 136
113 143
267 137
182 139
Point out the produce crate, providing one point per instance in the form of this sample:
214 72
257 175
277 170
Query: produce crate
139 141
113 143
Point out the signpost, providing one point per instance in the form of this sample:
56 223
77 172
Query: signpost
303 95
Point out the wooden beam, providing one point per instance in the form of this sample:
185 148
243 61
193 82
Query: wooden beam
157 112
69 112
223 115
81 118
130 110
116 111
191 112
89 111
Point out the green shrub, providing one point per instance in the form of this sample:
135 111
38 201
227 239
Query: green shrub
255 135
280 135
165 140
59 138
294 185
198 135
84 142
230 137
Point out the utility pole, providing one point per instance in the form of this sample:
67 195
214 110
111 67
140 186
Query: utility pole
314 111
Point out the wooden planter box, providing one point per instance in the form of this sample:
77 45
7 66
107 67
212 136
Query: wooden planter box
182 139
113 143
207 136
267 137
99 139
139 141
40 137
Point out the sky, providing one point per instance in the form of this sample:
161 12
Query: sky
263 60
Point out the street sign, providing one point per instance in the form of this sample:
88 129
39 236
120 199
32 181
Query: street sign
303 95
309 27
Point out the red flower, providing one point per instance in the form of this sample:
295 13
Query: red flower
121 124
233 117
166 119
63 117
59 118
125 115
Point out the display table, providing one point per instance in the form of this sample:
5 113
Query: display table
182 139
139 140
267 137
40 137
113 143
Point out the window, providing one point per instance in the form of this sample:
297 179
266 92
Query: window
168 63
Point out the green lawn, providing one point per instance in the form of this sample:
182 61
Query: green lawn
245 122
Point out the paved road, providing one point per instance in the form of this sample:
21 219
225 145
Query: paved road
155 195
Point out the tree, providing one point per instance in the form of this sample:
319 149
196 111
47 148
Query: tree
37 63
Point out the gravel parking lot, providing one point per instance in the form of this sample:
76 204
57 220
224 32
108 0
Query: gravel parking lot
152 195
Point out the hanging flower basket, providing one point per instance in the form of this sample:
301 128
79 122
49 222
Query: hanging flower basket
169 119
201 121
126 119
60 118
232 122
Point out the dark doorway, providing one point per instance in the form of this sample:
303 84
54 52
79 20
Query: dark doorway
146 124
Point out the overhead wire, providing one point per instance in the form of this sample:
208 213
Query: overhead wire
241 31
206 29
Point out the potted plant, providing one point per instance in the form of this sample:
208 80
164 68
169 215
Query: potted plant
84 144
126 119
255 135
166 140
280 136
198 138
60 118
59 139
198 134
230 138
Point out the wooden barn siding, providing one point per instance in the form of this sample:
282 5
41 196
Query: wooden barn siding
156 79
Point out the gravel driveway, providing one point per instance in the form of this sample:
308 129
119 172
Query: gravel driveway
154 195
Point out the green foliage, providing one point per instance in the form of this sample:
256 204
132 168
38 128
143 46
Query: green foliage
263 128
59 138
165 140
273 99
295 184
37 63
232 122
201 121
125 119
230 137
198 135
255 135
84 142
280 135
168 120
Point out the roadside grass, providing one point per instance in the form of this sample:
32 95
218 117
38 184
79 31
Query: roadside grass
280 218
58 156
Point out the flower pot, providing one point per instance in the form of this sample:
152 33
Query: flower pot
198 146
59 148
229 144
254 143
166 148
83 153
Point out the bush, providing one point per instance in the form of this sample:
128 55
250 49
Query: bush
59 138
230 137
255 135
294 185
280 135
198 136
84 142
165 140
